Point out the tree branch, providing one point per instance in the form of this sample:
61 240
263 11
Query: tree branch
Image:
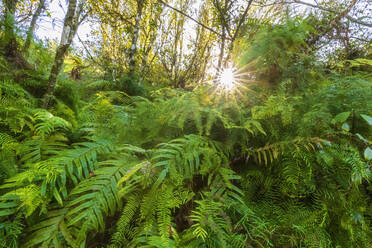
242 19
352 19
86 49
194 20
222 15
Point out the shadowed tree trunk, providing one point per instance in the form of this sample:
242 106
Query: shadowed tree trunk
12 54
70 26
9 36
31 29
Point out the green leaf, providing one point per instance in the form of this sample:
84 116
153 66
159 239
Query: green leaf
160 178
7 212
248 125
361 138
57 196
341 117
132 171
368 153
43 188
346 127
367 118
259 127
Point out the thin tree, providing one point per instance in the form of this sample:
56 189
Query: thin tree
230 32
73 19
31 28
136 29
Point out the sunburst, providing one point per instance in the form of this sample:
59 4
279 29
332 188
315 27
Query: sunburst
232 83
226 79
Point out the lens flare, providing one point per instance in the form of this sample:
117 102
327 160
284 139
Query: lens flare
230 83
226 79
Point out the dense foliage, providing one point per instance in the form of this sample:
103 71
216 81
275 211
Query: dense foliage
283 161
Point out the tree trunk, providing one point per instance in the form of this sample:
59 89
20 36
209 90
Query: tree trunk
31 29
237 31
133 48
12 54
69 29
222 48
9 11
225 29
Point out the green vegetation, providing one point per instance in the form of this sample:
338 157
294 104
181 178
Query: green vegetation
125 157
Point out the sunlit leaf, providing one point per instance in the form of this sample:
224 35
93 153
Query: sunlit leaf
341 117
367 118
346 127
368 153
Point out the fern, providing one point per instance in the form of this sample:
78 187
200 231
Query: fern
182 157
122 226
88 204
10 232
46 232
270 152
281 166
15 107
92 200
47 123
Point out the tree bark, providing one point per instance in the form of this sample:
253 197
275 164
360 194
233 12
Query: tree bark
225 29
324 31
70 26
31 29
12 54
9 11
222 48
136 29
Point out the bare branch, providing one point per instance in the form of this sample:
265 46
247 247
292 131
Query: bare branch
242 19
222 15
86 49
194 20
352 19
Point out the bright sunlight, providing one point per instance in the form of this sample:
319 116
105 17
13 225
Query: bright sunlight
226 78
185 123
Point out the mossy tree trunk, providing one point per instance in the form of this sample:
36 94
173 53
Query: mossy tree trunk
9 11
12 54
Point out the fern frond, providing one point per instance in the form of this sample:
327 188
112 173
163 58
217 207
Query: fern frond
123 232
10 232
96 198
270 152
210 220
47 123
183 157
54 173
47 231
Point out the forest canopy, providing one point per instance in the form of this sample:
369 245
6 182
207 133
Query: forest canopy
186 123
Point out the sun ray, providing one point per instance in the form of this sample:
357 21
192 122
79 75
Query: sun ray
227 78
231 84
